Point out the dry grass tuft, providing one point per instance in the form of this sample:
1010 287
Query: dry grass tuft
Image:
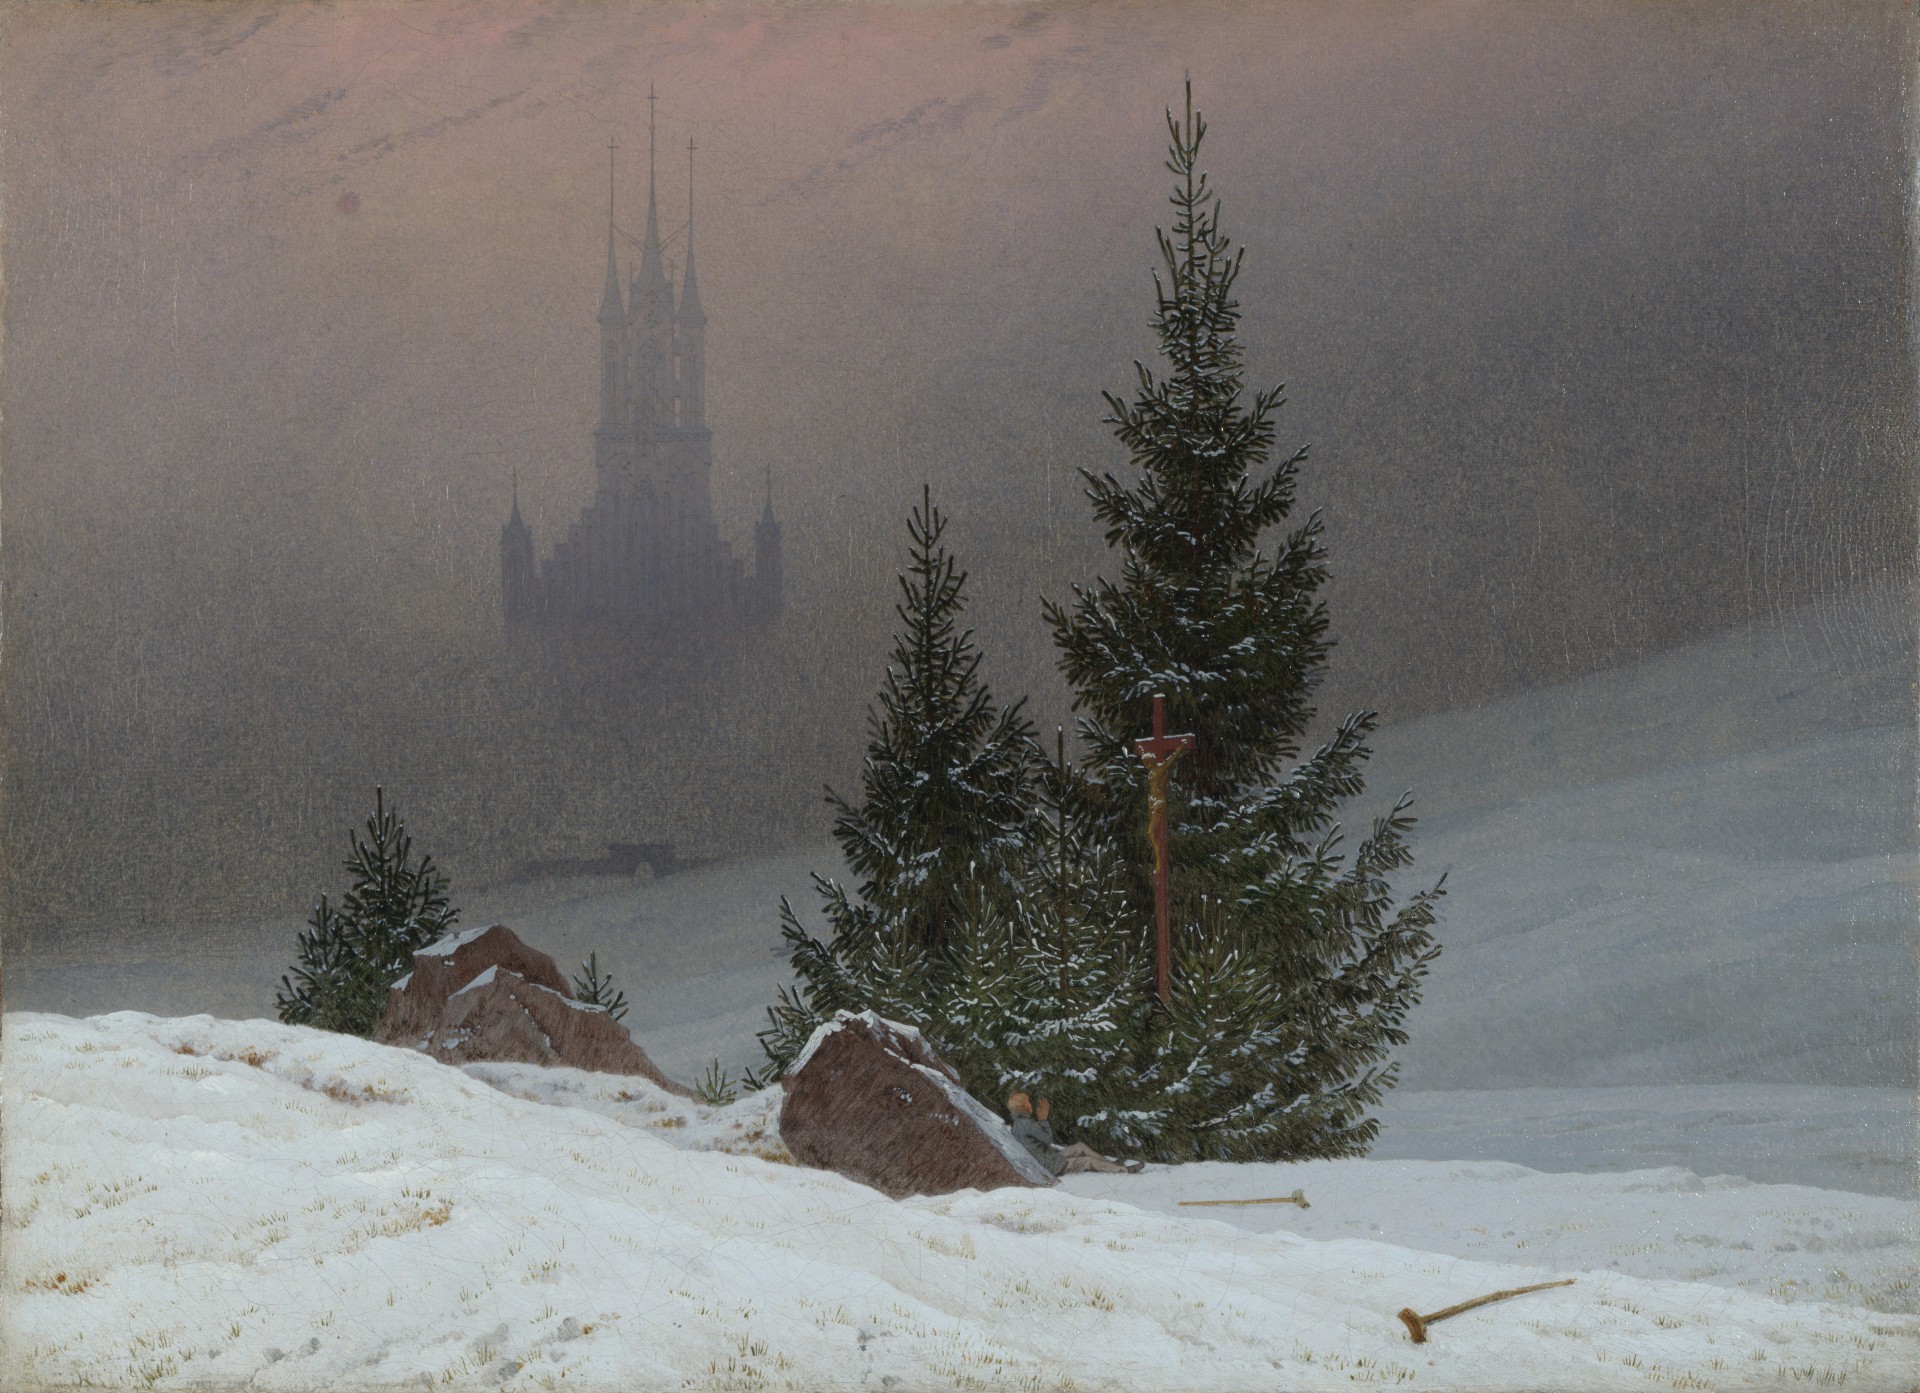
250 1055
62 1283
341 1092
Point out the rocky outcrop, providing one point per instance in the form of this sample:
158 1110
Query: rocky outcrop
417 1001
483 994
870 1099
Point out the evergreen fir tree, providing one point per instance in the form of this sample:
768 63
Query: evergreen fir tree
590 988
716 1087
865 963
940 826
327 989
1046 993
1294 973
351 956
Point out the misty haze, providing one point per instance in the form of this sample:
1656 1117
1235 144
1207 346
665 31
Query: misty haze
1596 337
370 422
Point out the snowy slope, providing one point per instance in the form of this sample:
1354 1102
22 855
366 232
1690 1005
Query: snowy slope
1698 868
1860 1139
1680 929
194 1202
654 936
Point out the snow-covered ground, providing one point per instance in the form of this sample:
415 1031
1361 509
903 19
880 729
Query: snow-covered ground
1698 868
204 1203
1669 1049
1860 1139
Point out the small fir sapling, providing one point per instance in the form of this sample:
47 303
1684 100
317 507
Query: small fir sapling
590 988
351 955
328 988
716 1088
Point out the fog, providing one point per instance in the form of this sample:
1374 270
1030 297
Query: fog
1594 316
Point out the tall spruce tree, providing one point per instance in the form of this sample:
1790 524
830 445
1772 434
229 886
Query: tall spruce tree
940 826
350 956
1293 971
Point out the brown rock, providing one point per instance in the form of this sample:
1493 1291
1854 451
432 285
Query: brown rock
415 1003
483 994
869 1098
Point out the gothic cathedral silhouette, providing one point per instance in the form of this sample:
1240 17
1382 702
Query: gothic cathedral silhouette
644 568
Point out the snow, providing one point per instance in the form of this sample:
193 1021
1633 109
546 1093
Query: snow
1791 1242
1668 1050
1860 1139
198 1202
484 979
1699 868
447 944
748 1126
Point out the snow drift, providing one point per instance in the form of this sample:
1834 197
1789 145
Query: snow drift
194 1202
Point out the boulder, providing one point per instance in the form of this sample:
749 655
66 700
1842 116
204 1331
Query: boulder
869 1098
415 1003
483 994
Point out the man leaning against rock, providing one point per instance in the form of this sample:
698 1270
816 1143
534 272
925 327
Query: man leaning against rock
1035 1132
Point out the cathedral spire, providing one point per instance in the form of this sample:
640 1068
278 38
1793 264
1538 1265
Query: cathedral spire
613 308
652 313
690 311
613 327
653 279
690 331
519 585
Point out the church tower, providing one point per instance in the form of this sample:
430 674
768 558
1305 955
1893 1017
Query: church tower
612 439
519 597
690 326
652 316
644 572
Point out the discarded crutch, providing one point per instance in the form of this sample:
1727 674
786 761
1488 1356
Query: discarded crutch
1295 1198
1417 1324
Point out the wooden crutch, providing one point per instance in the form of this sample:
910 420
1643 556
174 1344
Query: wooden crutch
1295 1198
1417 1324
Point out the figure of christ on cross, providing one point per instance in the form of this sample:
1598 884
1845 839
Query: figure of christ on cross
1159 751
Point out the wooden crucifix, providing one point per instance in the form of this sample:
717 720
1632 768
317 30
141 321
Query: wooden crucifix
1159 751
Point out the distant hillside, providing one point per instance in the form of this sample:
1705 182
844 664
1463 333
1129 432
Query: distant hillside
1698 867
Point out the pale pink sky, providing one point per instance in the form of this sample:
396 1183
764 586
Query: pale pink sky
925 240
